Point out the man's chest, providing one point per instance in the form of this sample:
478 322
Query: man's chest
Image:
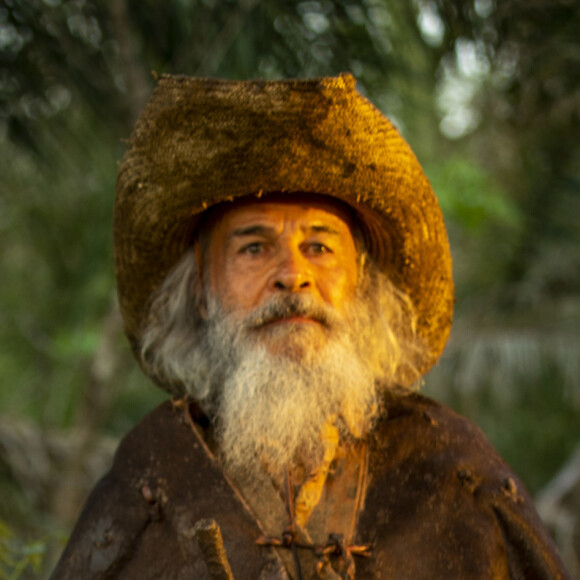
310 515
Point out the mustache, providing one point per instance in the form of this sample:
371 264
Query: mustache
282 306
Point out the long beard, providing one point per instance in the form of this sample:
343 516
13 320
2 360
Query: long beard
272 387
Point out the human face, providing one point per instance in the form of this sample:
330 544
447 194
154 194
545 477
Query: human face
261 248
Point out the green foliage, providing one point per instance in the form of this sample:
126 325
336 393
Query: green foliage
18 557
469 197
57 254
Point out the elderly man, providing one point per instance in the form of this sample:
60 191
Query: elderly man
284 271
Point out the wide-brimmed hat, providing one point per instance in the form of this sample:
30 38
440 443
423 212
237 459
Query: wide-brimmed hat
200 142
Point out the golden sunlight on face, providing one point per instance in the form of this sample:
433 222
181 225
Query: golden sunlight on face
301 245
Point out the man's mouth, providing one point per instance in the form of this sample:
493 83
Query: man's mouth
296 310
288 317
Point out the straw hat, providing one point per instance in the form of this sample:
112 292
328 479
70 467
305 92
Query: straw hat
199 142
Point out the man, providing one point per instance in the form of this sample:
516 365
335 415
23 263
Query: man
284 271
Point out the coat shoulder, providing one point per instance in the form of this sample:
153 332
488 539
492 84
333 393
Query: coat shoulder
119 508
434 471
140 520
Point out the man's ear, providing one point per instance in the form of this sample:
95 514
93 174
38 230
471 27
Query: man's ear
201 301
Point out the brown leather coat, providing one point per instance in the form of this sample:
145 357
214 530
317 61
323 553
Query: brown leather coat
440 503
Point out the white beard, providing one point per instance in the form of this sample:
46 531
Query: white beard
272 388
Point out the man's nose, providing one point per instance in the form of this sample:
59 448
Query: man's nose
293 273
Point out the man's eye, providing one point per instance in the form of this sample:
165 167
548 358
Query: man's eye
320 249
253 248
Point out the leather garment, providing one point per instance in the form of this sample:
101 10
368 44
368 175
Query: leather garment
440 503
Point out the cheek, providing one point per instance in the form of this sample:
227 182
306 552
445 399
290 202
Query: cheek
236 288
339 287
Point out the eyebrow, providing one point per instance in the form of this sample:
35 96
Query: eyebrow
321 229
259 229
252 231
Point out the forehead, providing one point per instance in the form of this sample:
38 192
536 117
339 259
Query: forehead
303 208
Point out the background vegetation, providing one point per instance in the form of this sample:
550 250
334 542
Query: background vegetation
486 92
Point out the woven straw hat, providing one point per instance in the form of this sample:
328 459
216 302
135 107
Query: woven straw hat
199 142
